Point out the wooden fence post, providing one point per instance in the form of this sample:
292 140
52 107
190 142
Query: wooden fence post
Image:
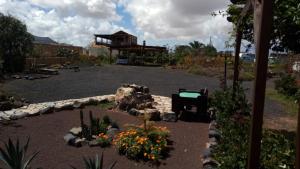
262 26
298 141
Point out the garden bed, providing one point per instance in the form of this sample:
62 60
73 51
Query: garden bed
46 135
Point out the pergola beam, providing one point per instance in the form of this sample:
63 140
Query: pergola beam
263 16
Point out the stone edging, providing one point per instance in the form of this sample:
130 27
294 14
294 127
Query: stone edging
47 107
161 103
214 136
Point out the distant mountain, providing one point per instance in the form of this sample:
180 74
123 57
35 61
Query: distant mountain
43 40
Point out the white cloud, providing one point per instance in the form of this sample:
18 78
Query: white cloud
55 19
157 21
180 20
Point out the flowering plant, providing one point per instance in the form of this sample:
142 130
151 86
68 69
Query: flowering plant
103 140
143 143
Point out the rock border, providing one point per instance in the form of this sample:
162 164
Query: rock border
49 107
214 136
161 103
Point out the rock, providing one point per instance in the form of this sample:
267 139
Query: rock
69 138
133 96
81 102
94 143
123 92
77 105
212 139
18 115
17 104
63 105
134 112
10 112
76 131
6 105
146 89
153 113
78 142
82 141
16 76
169 117
4 116
212 125
144 105
211 144
214 133
206 153
210 163
48 107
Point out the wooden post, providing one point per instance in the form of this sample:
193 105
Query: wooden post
298 141
262 27
238 41
110 53
225 71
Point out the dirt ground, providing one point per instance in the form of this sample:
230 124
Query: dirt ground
46 136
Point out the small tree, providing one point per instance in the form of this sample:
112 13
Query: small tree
15 43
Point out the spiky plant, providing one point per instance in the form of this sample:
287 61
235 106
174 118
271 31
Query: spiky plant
13 155
95 163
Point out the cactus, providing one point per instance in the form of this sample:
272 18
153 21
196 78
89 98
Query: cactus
86 131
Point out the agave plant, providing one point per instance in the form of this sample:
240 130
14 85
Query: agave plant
95 163
13 155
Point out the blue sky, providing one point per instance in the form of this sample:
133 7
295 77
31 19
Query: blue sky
159 22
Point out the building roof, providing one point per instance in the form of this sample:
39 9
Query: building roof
43 40
110 36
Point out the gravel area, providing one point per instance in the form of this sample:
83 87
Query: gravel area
46 135
92 81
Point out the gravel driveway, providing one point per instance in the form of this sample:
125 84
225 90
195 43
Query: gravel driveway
92 81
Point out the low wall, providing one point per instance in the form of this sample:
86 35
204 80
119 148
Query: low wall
46 60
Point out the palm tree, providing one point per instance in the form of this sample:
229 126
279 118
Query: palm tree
196 47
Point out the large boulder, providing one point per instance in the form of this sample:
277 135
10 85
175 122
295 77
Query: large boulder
133 96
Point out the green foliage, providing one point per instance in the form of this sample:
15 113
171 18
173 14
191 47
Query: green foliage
95 163
286 26
67 53
233 119
13 155
287 85
210 51
97 126
288 103
15 43
104 140
140 143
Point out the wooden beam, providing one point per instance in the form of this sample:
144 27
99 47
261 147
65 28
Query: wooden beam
263 16
298 141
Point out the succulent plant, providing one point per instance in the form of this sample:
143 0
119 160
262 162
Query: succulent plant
13 155
95 163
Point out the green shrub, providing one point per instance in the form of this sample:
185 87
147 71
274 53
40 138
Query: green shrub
233 118
287 85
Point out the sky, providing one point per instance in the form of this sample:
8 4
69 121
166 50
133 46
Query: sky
159 22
